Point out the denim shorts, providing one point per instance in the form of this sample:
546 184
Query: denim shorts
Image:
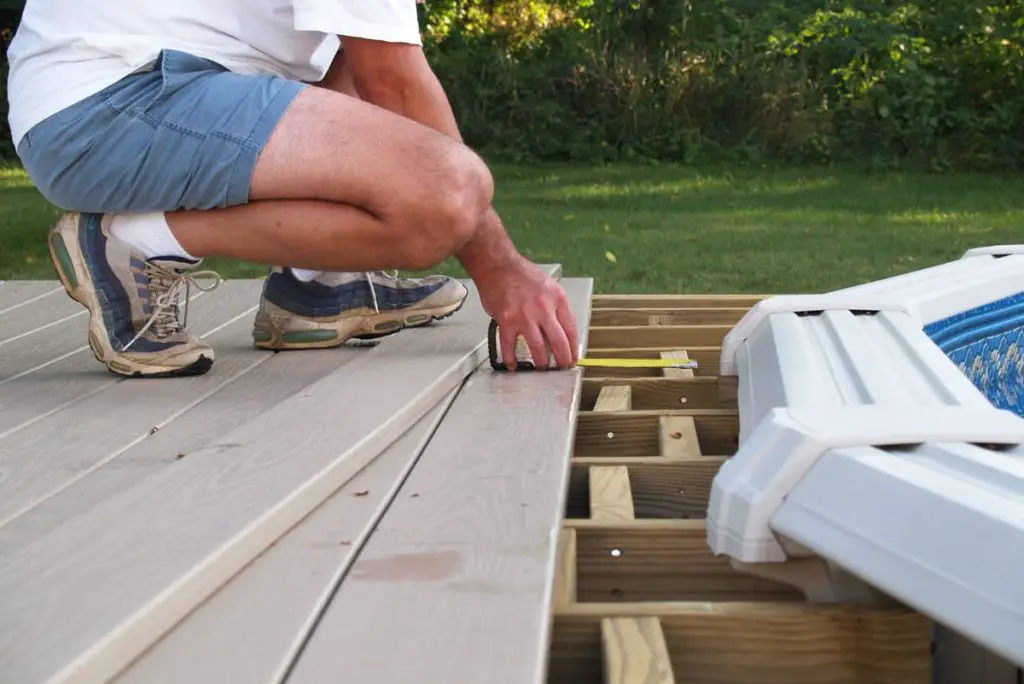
185 134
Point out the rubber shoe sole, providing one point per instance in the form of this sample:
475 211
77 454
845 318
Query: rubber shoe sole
268 336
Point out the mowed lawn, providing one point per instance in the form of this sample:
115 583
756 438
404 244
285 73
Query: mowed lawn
675 229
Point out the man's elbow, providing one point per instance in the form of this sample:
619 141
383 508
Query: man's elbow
382 87
385 73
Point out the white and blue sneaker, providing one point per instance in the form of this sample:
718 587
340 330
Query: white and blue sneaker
137 307
334 308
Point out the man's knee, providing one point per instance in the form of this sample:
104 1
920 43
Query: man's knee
462 189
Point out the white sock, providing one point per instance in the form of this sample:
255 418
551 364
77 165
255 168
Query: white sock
149 234
305 275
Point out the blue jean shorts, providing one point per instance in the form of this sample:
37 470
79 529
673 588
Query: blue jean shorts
184 135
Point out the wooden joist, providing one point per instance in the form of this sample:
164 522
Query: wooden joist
565 570
707 358
674 301
610 496
667 316
664 336
614 398
740 643
659 393
635 651
639 433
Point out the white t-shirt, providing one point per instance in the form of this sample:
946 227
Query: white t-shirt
67 50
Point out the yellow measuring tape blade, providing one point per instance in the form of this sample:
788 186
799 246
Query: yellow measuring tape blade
638 363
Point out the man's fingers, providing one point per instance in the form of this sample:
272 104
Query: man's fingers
535 339
558 341
509 335
567 320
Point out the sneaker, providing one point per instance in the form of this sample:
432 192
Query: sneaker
137 307
337 307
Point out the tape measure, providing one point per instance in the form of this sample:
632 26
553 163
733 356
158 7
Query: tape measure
524 360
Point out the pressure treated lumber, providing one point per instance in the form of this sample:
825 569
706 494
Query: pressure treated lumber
564 593
707 358
79 612
679 355
635 651
638 433
664 301
614 398
660 560
740 643
677 438
251 629
668 316
664 336
467 548
659 393
610 495
659 490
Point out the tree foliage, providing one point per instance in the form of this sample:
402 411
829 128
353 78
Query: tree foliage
933 83
930 83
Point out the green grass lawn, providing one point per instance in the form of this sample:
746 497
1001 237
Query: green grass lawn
673 229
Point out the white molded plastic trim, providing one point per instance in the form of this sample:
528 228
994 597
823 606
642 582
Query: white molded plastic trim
993 251
786 446
862 443
940 528
927 295
794 304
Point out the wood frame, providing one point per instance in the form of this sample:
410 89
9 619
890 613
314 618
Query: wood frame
639 596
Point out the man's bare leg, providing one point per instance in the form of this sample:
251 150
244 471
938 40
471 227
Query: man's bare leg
345 186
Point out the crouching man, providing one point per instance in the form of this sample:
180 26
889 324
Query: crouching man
310 135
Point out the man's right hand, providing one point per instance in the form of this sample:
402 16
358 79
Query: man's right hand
527 302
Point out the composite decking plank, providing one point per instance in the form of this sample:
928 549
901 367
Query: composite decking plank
39 317
29 353
228 404
250 629
80 612
17 294
69 443
456 583
40 387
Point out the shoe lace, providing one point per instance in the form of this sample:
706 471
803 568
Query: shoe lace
369 280
170 293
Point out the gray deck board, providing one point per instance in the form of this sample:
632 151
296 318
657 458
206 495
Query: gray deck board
24 293
65 339
46 381
250 630
76 611
263 381
116 414
456 581
35 318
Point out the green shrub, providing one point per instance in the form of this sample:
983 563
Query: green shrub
929 83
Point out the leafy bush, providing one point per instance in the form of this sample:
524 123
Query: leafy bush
930 83
886 82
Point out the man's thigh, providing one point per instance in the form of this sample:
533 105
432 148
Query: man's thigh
186 135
